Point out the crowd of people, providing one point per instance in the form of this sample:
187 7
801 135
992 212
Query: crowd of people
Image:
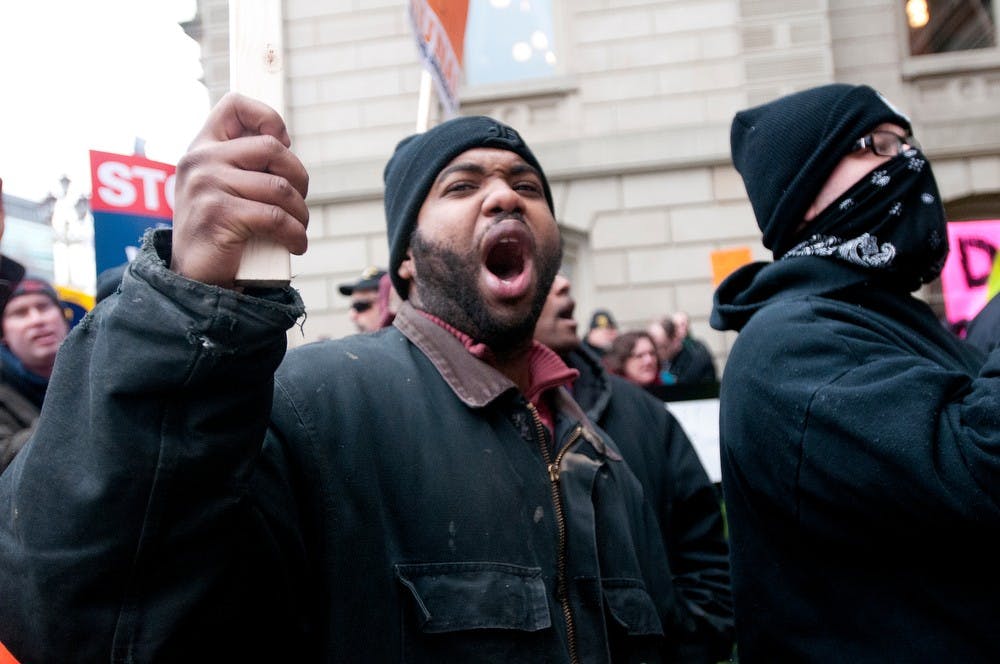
471 479
663 354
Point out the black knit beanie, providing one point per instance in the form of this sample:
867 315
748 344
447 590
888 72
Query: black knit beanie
786 149
419 159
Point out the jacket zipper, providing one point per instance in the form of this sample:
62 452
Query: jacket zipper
553 469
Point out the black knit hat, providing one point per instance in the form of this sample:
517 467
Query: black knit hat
786 149
34 286
419 159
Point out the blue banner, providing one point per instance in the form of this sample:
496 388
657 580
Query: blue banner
117 237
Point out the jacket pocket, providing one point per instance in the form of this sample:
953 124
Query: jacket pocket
456 612
631 607
458 596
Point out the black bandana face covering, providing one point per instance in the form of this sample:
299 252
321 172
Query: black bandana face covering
891 220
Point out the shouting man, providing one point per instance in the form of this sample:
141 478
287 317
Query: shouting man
442 499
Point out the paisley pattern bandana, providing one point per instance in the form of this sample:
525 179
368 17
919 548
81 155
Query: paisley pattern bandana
891 221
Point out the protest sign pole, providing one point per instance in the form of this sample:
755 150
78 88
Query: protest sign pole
439 28
256 69
424 101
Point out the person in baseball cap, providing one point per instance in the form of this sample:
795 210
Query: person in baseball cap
602 332
365 312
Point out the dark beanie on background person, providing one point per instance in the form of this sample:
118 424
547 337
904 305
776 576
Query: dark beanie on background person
416 164
786 149
32 286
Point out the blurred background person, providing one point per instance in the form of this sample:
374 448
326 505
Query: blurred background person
34 327
365 312
633 357
683 360
694 362
663 333
661 456
602 332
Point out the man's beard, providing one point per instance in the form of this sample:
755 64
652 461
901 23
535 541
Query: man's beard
448 290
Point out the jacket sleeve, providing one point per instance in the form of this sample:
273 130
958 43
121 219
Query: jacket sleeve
847 425
127 529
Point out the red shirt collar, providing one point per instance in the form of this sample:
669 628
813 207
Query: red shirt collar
546 368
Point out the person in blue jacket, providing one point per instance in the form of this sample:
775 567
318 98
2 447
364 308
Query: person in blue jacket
860 438
424 493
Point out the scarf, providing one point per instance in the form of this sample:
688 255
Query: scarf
14 373
891 221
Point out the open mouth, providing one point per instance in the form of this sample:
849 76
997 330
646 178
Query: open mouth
566 312
505 258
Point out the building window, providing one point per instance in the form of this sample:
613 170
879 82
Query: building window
940 26
509 40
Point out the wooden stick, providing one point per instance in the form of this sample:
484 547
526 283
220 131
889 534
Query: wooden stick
424 101
256 69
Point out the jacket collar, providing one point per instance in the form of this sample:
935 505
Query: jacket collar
473 381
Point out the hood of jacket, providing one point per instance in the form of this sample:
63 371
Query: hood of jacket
756 285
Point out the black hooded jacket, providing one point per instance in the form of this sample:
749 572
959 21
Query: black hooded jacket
861 471
686 503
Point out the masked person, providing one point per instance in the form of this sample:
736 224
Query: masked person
860 438
424 493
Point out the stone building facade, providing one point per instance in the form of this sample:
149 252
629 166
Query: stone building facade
632 128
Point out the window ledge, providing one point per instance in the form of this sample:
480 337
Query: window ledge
549 86
940 64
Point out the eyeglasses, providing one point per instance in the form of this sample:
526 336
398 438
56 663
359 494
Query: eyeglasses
361 306
885 143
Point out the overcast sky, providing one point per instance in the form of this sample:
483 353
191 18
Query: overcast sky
80 75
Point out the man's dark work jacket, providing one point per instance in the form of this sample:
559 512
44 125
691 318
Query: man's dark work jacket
861 471
684 500
381 498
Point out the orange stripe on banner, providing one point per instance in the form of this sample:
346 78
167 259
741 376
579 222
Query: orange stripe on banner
6 657
453 15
